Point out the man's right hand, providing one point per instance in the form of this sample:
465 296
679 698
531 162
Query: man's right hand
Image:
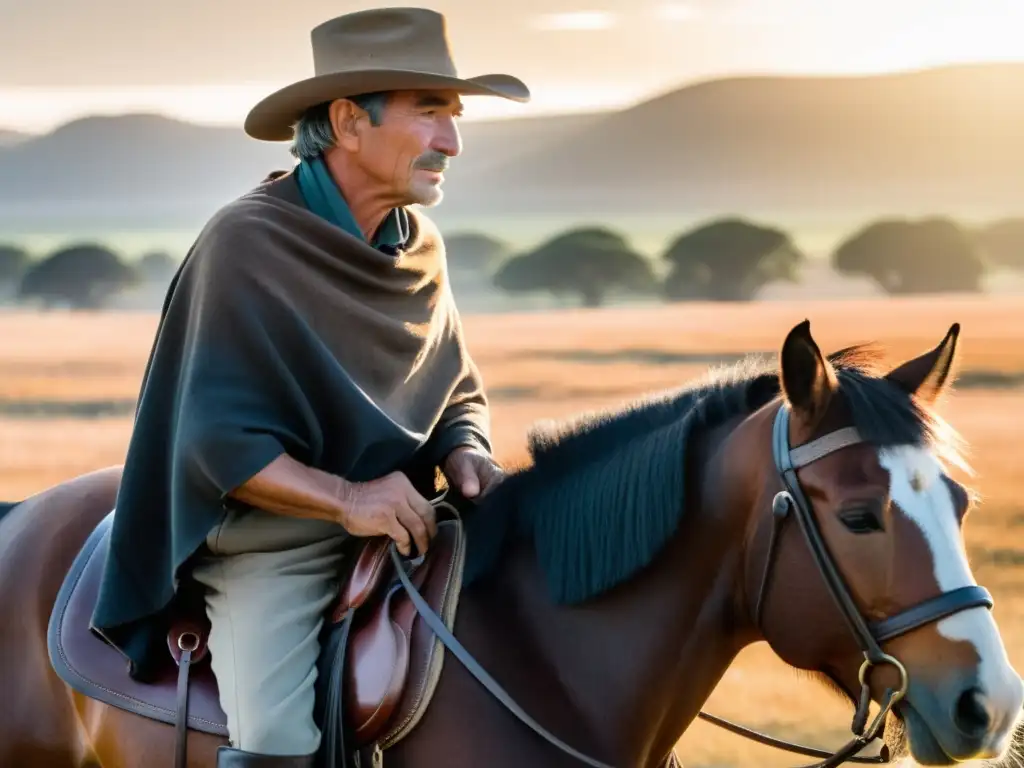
389 506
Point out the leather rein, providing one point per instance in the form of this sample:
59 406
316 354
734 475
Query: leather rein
787 503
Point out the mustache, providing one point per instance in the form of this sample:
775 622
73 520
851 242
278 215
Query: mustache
432 160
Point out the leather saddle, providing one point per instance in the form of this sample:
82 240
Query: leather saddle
379 662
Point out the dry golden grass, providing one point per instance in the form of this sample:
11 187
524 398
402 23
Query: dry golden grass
555 365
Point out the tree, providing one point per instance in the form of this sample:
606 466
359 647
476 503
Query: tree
82 276
729 260
13 263
1003 243
913 256
157 267
589 261
474 251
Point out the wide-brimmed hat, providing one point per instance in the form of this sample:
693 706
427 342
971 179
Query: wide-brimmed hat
383 49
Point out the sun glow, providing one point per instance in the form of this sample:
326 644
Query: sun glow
582 21
738 36
985 31
42 109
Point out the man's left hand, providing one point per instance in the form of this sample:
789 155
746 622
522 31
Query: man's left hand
472 472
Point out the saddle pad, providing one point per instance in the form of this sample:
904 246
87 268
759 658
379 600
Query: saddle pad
96 669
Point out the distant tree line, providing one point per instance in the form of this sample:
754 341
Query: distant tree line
78 276
733 258
727 259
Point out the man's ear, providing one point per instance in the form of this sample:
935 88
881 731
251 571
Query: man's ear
808 379
344 117
928 375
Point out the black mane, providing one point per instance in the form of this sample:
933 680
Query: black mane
606 491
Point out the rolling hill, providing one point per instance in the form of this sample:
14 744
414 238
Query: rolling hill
943 139
939 139
9 138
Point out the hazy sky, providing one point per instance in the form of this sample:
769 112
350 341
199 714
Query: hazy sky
210 60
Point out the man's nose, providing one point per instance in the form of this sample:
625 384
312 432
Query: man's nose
448 140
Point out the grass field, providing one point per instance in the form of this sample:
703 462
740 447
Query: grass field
550 365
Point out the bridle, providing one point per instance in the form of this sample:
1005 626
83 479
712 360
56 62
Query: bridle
787 503
791 501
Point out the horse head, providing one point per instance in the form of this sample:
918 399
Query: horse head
871 587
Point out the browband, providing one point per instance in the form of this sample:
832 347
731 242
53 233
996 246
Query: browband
808 453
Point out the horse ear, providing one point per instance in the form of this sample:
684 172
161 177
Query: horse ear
928 375
808 379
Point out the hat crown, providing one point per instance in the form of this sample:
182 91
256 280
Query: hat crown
388 38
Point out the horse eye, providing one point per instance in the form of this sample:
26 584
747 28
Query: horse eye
861 520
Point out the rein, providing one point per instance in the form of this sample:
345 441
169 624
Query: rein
474 668
787 503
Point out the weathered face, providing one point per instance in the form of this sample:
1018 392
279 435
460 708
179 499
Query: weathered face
408 152
892 519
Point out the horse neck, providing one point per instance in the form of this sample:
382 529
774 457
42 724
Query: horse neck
636 664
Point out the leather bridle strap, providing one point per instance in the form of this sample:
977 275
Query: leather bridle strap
870 636
787 466
926 612
783 502
847 754
808 453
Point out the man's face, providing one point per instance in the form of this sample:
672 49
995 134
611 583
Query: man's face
410 149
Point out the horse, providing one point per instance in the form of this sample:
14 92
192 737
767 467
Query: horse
610 582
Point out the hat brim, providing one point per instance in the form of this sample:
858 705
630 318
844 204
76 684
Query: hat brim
273 118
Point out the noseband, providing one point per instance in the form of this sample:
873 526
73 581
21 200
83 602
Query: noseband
869 635
792 502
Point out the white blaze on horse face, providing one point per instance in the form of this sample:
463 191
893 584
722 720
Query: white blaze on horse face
917 487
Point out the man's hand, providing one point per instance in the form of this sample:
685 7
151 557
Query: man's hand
471 471
389 506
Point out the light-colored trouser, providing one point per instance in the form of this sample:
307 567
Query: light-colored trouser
270 579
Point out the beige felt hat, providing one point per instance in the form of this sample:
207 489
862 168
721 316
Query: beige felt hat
382 49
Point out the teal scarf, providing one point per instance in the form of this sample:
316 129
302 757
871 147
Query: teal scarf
323 198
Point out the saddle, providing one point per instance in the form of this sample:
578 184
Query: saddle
378 667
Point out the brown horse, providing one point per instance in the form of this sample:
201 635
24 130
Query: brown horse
609 585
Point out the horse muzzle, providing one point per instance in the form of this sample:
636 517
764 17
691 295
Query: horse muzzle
960 719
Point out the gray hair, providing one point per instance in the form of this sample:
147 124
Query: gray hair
314 134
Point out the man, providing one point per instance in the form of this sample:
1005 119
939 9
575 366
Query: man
308 377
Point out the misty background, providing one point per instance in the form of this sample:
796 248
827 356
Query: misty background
718 149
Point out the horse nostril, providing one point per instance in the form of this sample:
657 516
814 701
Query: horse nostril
970 714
